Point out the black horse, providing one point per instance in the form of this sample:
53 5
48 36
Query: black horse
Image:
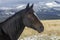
12 28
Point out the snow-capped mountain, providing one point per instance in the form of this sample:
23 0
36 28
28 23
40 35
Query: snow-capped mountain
49 10
44 10
6 12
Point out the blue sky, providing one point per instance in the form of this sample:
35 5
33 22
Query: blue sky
14 2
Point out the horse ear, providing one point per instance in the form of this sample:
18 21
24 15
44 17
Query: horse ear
31 6
27 6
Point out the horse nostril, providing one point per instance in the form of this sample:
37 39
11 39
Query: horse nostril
41 28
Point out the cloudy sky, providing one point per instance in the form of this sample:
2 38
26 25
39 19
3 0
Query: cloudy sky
14 2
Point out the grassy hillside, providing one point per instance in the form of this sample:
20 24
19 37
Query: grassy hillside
51 27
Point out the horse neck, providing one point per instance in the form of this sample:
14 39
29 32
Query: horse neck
20 29
16 21
21 26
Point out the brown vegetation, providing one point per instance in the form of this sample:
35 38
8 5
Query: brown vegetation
50 27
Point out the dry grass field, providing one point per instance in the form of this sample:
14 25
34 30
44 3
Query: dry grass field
51 27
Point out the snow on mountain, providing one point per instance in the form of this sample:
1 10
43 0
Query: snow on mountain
46 6
20 6
5 8
43 9
52 4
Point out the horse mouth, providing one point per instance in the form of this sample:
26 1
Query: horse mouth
40 31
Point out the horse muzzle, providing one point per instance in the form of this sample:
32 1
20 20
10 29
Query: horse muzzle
41 29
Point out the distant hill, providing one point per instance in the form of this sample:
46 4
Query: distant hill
49 14
43 11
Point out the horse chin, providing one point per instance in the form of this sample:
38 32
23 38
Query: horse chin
40 31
